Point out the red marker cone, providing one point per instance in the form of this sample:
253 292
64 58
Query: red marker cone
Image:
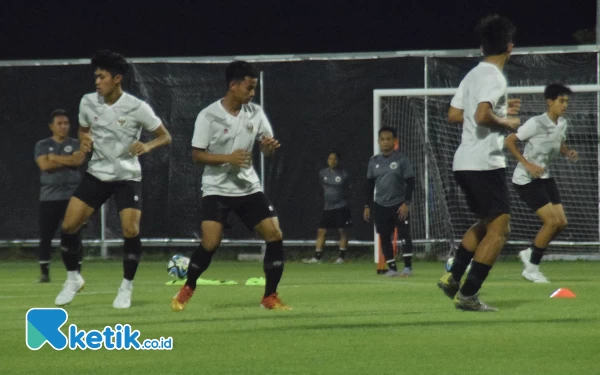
563 293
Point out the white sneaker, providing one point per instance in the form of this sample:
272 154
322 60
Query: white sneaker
339 261
525 255
531 271
312 261
123 299
533 274
69 290
406 272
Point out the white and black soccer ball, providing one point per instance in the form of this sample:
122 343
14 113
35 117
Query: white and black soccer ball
178 266
449 263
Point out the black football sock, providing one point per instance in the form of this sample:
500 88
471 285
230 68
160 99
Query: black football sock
199 262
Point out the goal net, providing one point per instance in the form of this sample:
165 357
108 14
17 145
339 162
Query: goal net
439 213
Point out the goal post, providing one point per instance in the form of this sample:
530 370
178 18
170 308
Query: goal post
439 215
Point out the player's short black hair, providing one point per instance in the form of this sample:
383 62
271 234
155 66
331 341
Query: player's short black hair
238 71
387 129
554 90
495 33
110 61
336 153
57 112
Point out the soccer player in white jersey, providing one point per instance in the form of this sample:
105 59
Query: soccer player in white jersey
481 105
545 136
111 122
224 136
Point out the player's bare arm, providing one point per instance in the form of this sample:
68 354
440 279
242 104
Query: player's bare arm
85 139
514 107
455 115
240 158
162 137
511 144
268 145
485 116
569 153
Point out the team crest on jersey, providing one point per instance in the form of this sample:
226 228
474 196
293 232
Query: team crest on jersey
376 165
51 149
121 121
225 131
393 165
338 179
68 149
250 127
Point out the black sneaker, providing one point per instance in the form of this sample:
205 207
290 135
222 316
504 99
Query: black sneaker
471 303
43 279
448 285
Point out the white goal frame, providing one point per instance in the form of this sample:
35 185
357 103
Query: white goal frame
427 92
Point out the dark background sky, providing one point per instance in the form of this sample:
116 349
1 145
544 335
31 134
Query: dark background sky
39 30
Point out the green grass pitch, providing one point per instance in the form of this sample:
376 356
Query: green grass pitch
345 320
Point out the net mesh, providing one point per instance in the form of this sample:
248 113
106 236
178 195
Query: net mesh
446 216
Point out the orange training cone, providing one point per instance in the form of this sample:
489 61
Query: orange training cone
562 293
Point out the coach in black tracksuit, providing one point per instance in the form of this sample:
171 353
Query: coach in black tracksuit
58 158
391 174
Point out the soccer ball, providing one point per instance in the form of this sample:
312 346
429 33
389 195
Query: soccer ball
449 263
178 267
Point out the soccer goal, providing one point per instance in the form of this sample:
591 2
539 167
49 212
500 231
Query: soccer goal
439 214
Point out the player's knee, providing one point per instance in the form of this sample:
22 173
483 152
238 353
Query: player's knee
210 244
273 234
552 223
130 231
69 227
562 224
500 232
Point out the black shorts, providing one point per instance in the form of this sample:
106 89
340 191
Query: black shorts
251 209
336 218
486 191
538 193
386 218
94 192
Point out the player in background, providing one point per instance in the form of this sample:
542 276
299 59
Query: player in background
545 137
391 174
58 158
336 214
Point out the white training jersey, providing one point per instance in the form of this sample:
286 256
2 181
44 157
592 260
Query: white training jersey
480 147
544 139
114 129
219 132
